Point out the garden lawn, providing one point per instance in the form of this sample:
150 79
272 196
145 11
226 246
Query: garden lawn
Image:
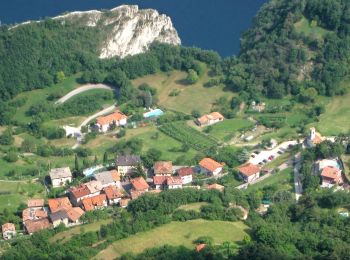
176 234
335 120
229 127
12 194
283 179
193 206
40 95
191 97
151 138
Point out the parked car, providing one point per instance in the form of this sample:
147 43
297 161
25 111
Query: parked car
271 158
280 152
256 152
253 156
265 161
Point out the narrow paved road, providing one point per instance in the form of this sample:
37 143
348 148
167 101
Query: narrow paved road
87 120
82 89
297 181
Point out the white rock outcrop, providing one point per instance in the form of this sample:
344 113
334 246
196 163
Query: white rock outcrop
134 30
128 29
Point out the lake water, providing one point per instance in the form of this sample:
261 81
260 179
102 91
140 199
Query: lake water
209 24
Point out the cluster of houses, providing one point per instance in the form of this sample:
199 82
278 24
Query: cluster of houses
106 189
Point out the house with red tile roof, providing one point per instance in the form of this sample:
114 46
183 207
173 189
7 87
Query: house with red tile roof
331 176
174 182
163 168
33 214
77 194
249 172
117 118
95 202
8 231
186 174
159 181
210 167
209 119
35 203
139 184
95 187
113 194
74 215
59 204
33 226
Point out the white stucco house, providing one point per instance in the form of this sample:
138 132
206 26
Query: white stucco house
60 176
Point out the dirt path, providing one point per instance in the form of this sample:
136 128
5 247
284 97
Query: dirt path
82 89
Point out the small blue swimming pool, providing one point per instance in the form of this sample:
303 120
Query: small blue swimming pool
153 113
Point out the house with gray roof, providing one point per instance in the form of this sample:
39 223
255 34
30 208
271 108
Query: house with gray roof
59 217
108 178
60 176
127 163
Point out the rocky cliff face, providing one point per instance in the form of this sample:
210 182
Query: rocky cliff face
129 30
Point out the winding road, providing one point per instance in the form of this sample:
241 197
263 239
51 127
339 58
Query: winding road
82 89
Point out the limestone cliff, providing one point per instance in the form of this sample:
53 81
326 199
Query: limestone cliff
128 30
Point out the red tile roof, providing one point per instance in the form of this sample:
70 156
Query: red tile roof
174 180
41 213
112 192
331 173
75 213
212 116
185 171
159 180
32 214
33 226
59 204
80 191
95 201
249 169
109 119
8 227
33 203
210 164
215 186
200 247
163 167
139 184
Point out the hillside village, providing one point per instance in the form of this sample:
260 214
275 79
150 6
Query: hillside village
128 179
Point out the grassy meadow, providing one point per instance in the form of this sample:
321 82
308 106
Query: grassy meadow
190 97
176 234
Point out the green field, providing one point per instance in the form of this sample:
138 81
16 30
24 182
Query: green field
40 95
193 206
336 118
229 127
176 234
151 138
304 26
191 97
12 194
283 179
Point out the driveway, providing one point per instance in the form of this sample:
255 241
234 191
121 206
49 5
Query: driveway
82 89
